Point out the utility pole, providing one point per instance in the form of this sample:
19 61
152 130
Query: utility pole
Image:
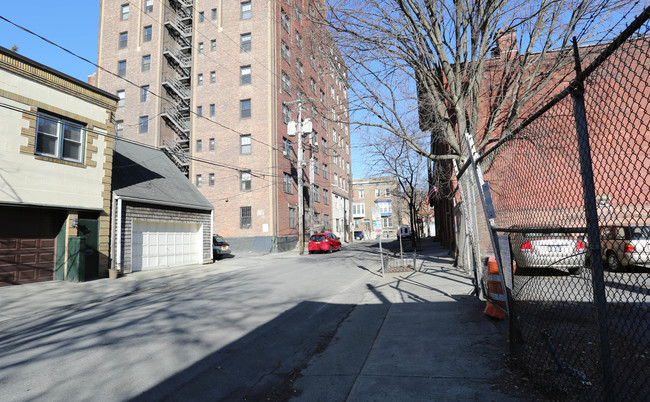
300 128
301 200
311 183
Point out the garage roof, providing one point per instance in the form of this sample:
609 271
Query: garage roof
148 175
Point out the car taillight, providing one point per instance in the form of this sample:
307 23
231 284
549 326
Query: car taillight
629 248
527 247
580 246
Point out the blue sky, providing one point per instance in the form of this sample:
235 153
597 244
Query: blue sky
73 25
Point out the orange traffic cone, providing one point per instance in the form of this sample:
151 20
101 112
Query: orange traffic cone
495 291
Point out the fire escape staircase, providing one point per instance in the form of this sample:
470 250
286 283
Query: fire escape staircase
176 107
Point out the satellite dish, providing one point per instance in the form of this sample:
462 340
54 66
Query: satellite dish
291 129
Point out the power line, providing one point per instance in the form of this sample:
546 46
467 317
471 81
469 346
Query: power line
193 158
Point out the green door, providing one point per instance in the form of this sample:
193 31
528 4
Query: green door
89 228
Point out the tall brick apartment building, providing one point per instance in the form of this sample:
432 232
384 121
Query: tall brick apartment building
214 84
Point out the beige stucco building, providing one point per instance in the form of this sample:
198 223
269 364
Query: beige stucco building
381 193
55 177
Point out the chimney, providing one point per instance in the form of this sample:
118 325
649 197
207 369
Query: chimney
506 47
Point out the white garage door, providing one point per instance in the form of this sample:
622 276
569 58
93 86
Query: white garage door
162 244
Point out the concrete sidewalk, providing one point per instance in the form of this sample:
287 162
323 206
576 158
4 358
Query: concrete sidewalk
419 336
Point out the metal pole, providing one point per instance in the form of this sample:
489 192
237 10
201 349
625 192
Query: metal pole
301 201
591 212
311 183
381 254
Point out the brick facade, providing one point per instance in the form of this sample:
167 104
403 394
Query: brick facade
224 127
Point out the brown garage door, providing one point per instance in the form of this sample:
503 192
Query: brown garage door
27 245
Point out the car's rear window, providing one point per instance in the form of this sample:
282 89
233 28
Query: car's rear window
317 238
640 233
219 238
547 235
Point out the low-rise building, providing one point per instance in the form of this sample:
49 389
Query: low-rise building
381 193
56 153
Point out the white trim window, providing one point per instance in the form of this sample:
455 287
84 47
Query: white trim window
59 138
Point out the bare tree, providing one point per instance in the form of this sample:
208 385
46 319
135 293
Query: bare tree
469 66
394 158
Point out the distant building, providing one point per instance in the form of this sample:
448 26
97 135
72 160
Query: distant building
216 83
55 173
381 193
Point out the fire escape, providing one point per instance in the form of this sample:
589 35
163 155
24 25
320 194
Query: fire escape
177 49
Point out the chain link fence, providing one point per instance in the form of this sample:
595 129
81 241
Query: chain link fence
571 190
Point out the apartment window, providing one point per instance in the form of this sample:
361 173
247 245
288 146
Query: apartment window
286 147
359 208
146 33
314 116
286 82
214 13
211 144
361 194
298 40
245 144
213 77
124 40
59 138
119 128
317 218
299 15
285 114
377 193
200 47
322 97
387 192
316 194
199 79
245 179
148 6
287 183
315 165
199 180
336 179
212 112
125 12
213 45
325 171
292 217
201 16
387 222
326 197
146 63
245 108
245 75
199 110
312 85
245 42
144 93
312 61
121 68
385 207
299 69
211 179
245 217
284 20
326 221
144 124
199 145
120 95
246 10
284 50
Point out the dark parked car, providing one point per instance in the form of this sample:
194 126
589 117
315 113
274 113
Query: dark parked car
219 247
324 242
358 235
625 245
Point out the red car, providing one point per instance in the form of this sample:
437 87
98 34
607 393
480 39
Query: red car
324 242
